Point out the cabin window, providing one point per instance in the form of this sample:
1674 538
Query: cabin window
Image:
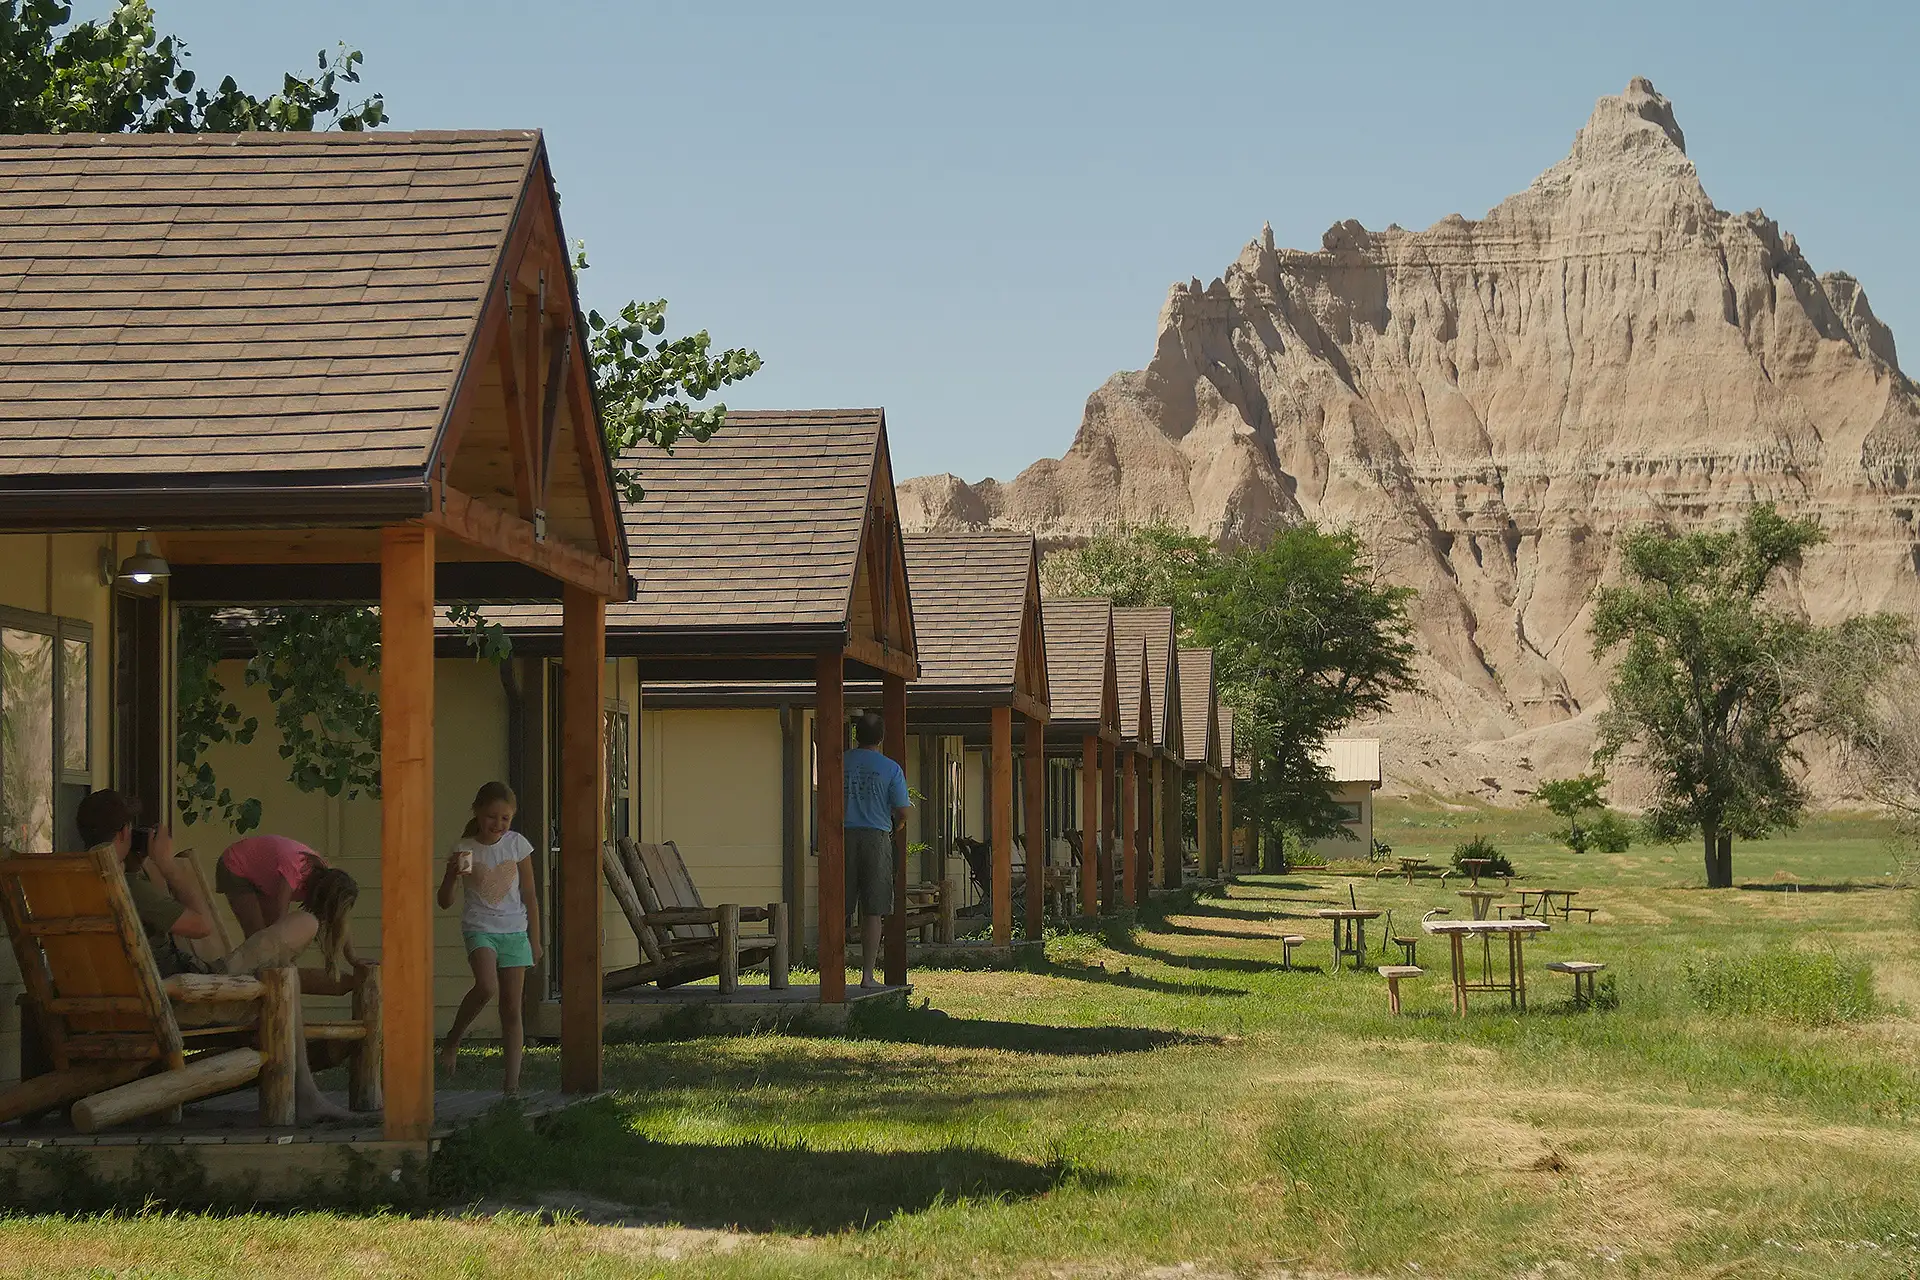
1349 812
46 695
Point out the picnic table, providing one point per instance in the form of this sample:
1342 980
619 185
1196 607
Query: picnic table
1473 866
1514 983
1411 865
1482 900
1354 921
1541 900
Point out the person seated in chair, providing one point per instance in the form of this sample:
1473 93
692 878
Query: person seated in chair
180 912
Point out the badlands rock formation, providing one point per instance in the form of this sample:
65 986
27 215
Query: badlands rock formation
1492 404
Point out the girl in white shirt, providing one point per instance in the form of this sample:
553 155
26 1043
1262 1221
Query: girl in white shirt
500 922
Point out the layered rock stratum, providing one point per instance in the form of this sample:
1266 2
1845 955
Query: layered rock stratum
1491 404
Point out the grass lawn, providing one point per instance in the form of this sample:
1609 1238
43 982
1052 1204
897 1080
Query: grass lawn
1169 1096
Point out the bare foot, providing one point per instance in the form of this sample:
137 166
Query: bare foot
449 1058
867 983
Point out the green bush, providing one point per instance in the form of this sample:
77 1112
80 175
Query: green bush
1809 988
1481 847
1609 833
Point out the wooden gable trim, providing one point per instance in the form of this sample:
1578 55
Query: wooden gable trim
488 527
882 554
1145 739
1110 689
1030 679
1171 718
540 366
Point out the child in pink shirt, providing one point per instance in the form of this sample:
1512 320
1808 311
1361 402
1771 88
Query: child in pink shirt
263 875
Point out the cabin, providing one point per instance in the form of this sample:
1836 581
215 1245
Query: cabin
1353 768
1200 749
1136 768
1153 627
1083 745
983 666
770 577
244 370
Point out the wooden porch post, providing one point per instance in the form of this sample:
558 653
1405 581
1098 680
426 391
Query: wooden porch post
1109 821
583 665
893 698
1226 818
1203 815
406 830
1089 825
1036 802
1129 833
1172 819
1002 765
830 810
1156 795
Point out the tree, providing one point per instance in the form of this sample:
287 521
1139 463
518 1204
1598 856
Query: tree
1711 693
1305 640
120 75
1572 800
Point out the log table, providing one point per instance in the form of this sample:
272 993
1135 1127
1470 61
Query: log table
1411 865
1515 931
1482 900
1473 866
1354 921
1543 902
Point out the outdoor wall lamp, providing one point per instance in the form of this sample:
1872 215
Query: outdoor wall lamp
145 564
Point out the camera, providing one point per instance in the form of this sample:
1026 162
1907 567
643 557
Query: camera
142 845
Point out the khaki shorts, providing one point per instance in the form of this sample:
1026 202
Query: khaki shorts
869 858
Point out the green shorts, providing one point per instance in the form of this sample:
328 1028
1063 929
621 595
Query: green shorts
510 950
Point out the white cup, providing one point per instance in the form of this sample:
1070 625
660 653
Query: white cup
466 862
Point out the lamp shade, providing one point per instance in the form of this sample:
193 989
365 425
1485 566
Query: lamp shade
145 564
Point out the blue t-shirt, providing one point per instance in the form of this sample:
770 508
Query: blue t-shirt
876 786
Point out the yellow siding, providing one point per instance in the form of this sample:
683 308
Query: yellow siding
1359 793
59 574
713 788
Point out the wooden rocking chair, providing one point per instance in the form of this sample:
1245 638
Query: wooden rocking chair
109 1027
682 939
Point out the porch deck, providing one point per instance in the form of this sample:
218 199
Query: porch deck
221 1137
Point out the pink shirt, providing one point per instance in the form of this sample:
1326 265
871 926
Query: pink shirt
265 861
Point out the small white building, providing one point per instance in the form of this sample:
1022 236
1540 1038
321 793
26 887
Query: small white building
1354 764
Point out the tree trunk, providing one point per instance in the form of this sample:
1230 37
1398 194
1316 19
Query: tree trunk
1723 859
1710 842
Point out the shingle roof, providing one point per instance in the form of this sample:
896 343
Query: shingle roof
1196 703
240 304
969 601
1154 624
1077 636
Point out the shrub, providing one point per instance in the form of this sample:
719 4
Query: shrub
1609 833
1481 847
1810 988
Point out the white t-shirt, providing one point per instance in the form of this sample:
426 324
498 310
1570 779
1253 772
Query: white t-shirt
493 888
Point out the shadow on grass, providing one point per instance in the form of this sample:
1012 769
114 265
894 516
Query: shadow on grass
1138 981
755 1185
1790 887
933 1027
1177 960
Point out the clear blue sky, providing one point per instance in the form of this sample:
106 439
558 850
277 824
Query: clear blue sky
970 214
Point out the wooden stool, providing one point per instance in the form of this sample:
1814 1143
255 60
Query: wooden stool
1579 969
1393 973
1287 944
1407 945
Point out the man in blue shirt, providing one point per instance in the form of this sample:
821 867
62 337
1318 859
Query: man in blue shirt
877 803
